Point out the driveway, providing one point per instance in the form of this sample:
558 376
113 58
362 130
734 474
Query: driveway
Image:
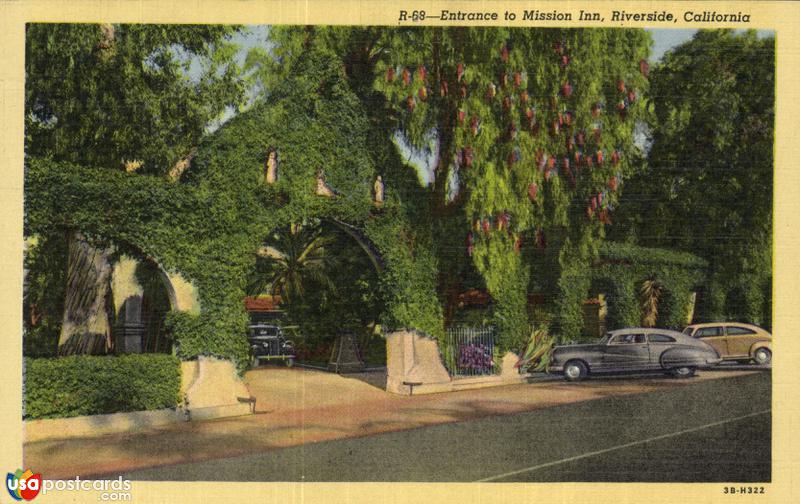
299 406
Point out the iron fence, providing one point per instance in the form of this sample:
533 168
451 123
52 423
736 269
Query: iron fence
469 351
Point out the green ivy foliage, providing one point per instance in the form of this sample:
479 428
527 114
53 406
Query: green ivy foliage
708 184
333 109
209 226
533 131
89 385
618 273
101 94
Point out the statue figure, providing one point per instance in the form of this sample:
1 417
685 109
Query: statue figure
378 187
323 189
271 175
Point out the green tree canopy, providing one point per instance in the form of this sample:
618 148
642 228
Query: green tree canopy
531 130
707 188
103 94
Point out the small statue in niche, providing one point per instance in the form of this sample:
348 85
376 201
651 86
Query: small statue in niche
131 166
181 166
271 173
323 189
378 188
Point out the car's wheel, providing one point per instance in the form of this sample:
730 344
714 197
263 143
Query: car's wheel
575 370
762 356
682 372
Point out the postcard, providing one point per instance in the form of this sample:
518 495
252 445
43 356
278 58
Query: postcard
409 252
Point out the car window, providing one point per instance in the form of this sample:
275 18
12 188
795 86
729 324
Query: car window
733 330
708 332
627 339
660 338
265 331
688 331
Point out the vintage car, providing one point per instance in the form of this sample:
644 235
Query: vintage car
735 341
633 349
269 342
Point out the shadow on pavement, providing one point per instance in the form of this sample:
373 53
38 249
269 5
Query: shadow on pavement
376 378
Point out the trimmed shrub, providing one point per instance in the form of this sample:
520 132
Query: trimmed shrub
93 385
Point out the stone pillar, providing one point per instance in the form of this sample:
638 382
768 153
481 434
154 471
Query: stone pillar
413 360
127 294
344 357
508 367
211 388
183 295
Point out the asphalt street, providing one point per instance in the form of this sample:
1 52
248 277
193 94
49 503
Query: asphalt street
711 431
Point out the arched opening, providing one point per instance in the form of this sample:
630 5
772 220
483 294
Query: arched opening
155 302
599 308
100 297
319 280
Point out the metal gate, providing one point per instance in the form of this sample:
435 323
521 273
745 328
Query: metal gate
470 351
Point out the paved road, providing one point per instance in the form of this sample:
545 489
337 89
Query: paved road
711 431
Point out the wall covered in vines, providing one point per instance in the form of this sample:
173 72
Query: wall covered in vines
209 225
619 274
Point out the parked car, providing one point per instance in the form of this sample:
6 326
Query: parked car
633 349
735 341
269 342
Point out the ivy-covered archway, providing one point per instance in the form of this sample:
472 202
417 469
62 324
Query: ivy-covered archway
301 154
621 270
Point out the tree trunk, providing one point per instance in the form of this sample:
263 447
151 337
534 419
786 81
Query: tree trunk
444 134
85 329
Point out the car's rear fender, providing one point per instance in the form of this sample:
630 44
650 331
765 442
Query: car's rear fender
684 356
760 344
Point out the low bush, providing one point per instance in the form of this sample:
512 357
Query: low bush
92 385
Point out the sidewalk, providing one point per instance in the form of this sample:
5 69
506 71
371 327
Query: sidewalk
299 406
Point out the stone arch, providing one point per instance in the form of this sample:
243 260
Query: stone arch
363 241
183 294
327 225
132 296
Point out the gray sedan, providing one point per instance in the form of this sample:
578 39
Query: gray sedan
634 349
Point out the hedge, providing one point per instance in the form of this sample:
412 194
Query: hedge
93 385
618 272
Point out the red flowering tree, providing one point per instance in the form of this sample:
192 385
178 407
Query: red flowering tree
533 131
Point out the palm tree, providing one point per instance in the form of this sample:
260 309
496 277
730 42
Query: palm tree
292 258
649 295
